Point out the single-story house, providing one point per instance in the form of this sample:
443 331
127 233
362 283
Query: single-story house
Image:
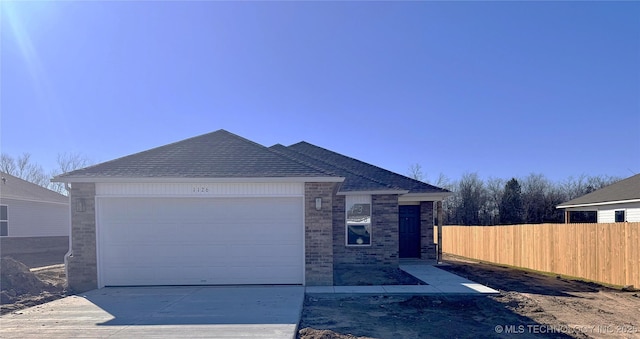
221 209
33 219
618 202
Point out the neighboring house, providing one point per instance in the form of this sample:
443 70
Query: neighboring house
220 209
30 210
618 202
34 222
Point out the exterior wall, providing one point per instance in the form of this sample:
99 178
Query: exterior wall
384 234
36 219
81 262
427 245
606 213
319 256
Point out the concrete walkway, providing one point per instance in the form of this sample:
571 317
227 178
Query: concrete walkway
438 282
163 312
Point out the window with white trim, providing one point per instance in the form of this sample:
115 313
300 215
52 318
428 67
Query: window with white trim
358 225
4 221
619 215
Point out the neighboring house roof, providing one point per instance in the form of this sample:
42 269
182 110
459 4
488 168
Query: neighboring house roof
215 155
12 187
222 154
359 175
627 190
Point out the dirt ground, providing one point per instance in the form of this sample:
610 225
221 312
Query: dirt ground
529 305
22 287
359 276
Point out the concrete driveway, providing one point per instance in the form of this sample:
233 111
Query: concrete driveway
169 312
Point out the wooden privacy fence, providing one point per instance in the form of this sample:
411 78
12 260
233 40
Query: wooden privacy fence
607 253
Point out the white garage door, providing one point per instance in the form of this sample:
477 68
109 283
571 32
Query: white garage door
200 241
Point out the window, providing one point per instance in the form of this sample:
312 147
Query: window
620 216
4 221
358 220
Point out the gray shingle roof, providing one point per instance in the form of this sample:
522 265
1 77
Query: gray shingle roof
359 175
15 188
215 155
225 155
353 181
627 189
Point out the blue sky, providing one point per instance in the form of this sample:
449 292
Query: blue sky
499 88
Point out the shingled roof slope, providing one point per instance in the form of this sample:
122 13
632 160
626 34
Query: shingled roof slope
627 189
356 170
12 187
353 181
219 154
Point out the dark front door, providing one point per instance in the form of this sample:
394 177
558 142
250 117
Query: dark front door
409 231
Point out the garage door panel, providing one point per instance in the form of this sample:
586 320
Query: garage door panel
191 241
194 234
190 209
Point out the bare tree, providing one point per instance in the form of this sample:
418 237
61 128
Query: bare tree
472 198
67 162
444 182
534 189
7 164
415 172
495 191
23 168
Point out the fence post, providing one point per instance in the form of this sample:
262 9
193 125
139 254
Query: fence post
439 256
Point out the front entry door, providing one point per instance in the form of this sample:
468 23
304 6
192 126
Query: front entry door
409 231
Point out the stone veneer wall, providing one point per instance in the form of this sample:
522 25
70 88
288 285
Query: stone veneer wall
427 245
384 234
81 266
318 233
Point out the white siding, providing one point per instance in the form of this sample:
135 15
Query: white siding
200 189
633 214
606 214
37 219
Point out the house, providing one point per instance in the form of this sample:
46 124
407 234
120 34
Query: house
33 219
221 209
618 202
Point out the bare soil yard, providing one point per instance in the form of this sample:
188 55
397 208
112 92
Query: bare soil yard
530 305
359 276
22 287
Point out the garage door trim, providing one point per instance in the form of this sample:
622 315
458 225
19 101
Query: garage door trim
257 191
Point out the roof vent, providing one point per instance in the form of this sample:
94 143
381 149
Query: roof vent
4 180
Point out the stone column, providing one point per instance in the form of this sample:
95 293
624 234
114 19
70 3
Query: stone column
81 262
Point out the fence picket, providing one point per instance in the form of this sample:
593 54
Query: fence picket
607 253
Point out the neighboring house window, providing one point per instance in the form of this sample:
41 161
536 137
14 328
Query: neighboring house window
358 220
4 220
620 216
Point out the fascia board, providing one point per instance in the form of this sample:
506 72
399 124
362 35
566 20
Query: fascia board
380 192
599 203
192 180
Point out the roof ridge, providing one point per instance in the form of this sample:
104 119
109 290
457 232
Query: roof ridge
299 161
365 163
218 155
141 152
342 167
